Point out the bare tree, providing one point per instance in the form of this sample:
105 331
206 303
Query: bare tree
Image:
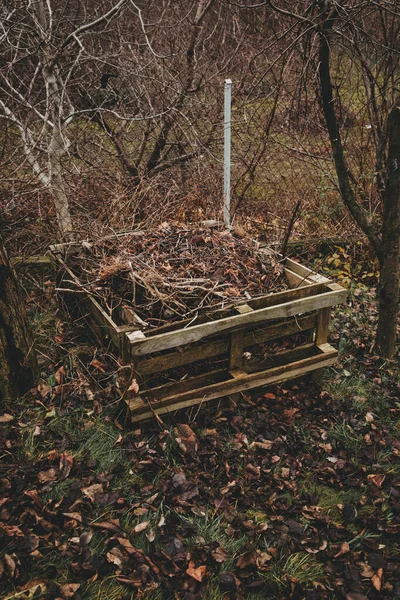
361 39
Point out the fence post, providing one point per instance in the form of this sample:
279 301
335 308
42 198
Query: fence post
227 152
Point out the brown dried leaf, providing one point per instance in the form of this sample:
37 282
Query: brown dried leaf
85 538
151 535
44 390
344 549
66 462
60 375
94 492
377 479
35 588
134 387
186 438
68 590
45 476
113 525
140 527
125 543
219 554
115 557
246 559
197 573
376 580
266 445
73 515
98 365
9 565
6 418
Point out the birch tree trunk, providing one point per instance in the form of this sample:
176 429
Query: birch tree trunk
17 357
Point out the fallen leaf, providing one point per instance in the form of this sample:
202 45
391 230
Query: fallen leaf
134 387
98 365
94 492
197 573
85 538
115 557
266 445
219 554
45 476
68 590
186 438
6 418
9 565
151 535
246 559
113 525
44 390
377 479
125 543
140 527
322 547
344 549
66 462
60 375
73 515
376 579
35 588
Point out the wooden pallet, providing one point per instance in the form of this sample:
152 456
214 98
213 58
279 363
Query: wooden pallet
222 336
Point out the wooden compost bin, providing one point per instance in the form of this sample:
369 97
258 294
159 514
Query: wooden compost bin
225 336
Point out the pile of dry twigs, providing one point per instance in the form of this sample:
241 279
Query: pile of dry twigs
176 271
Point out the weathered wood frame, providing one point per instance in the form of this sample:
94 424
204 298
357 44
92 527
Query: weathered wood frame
227 332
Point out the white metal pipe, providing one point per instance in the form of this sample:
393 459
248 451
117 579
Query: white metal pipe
227 152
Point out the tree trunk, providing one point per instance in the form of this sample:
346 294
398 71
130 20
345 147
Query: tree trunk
328 105
17 357
390 276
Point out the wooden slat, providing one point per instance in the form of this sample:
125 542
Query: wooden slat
175 388
198 332
323 320
243 308
240 383
37 261
87 301
280 358
236 350
253 304
214 389
202 351
295 280
305 272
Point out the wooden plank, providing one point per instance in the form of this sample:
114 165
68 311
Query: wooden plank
236 350
241 383
93 307
243 309
254 304
198 332
323 320
214 389
305 272
280 358
175 388
294 279
37 261
202 351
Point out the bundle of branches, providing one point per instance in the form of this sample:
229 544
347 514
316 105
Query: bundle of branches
176 271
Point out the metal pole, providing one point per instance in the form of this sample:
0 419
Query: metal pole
227 152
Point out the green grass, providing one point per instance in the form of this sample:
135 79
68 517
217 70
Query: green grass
345 436
300 568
